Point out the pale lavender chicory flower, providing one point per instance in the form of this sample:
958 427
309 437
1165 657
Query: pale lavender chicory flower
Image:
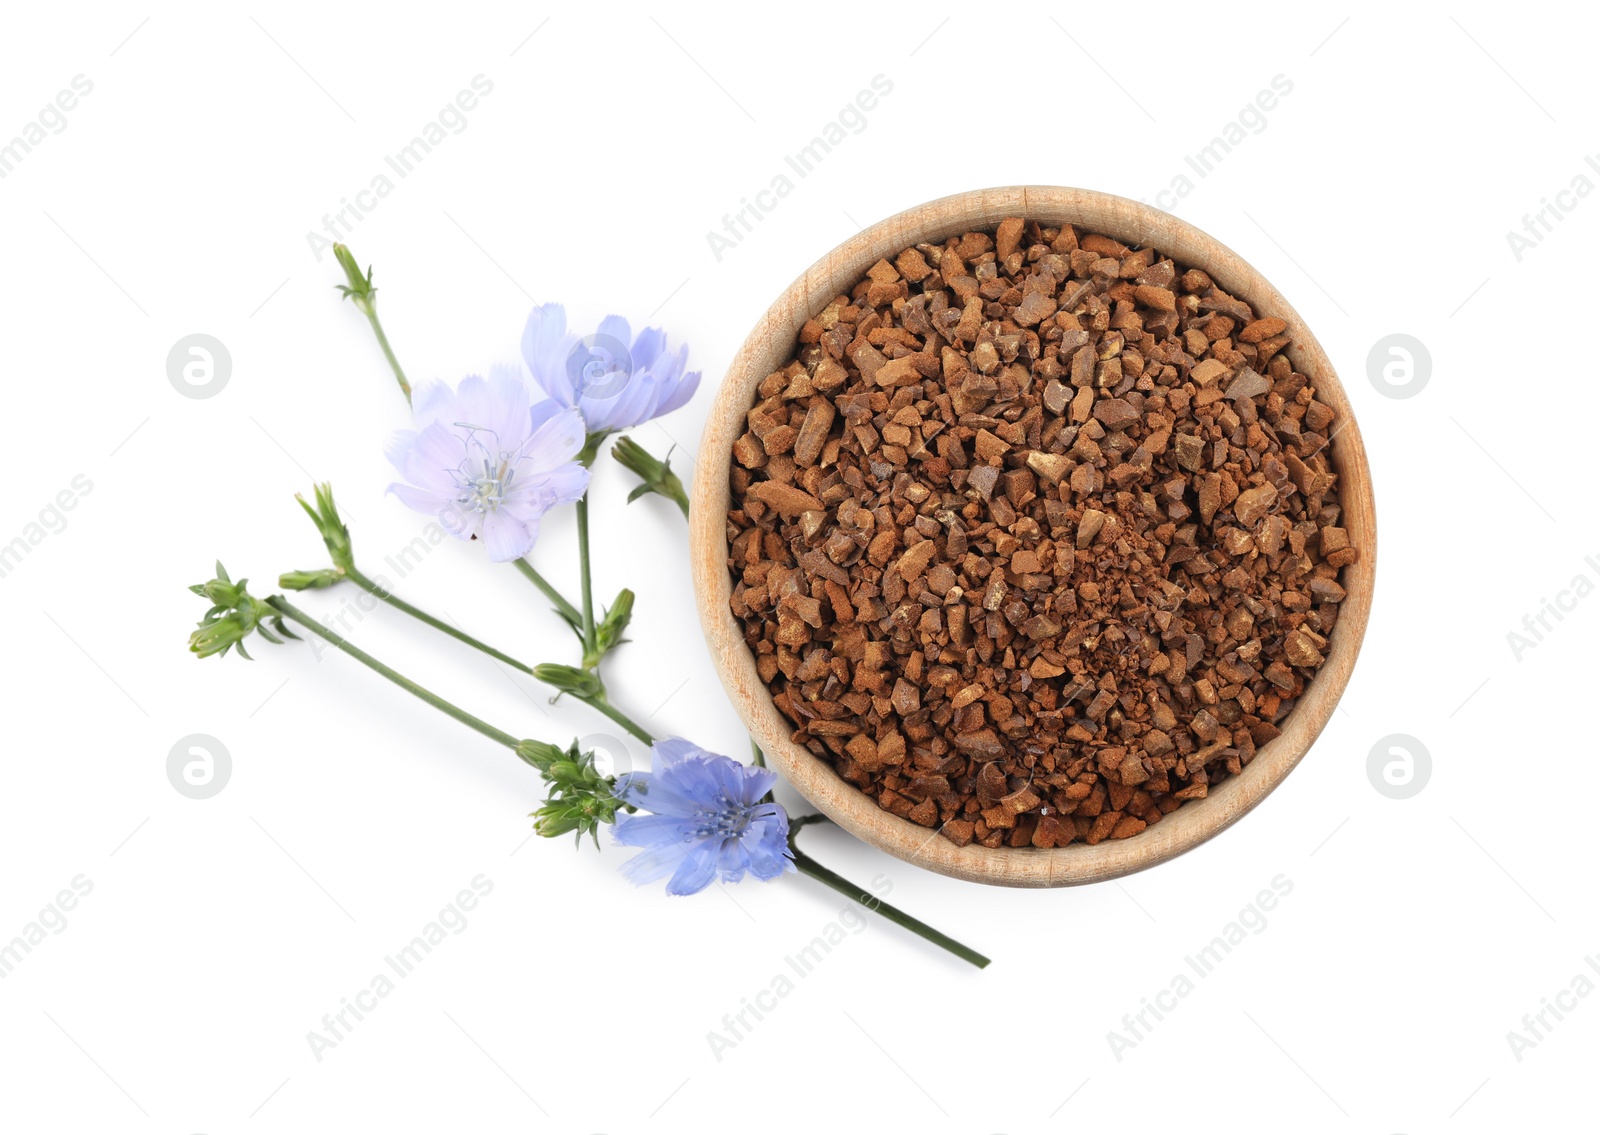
615 379
487 464
709 820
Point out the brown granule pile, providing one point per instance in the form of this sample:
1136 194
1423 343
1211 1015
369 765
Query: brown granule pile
1036 537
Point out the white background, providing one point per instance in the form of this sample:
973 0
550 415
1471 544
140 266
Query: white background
179 996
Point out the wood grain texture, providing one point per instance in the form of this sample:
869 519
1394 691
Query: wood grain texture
770 346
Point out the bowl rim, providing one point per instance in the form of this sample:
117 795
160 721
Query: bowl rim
768 347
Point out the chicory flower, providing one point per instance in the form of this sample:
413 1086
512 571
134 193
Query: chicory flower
486 464
709 820
615 379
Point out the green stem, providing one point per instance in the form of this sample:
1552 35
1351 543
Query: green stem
566 610
400 604
289 611
598 703
810 867
615 714
388 352
591 657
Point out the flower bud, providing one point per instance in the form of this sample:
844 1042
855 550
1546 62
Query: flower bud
540 754
579 798
219 591
609 633
552 820
219 635
335 536
309 580
569 679
233 616
360 290
656 476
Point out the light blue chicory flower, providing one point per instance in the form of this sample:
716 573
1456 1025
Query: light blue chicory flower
614 379
709 820
485 463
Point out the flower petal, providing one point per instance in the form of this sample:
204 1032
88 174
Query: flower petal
648 346
564 484
461 524
542 411
744 784
679 394
472 396
558 440
422 500
433 457
767 841
399 447
693 778
634 403
508 537
509 390
732 859
431 402
648 791
545 345
696 872
649 831
654 862
494 415
669 751
615 328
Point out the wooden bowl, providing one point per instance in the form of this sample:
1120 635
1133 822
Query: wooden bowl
770 346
